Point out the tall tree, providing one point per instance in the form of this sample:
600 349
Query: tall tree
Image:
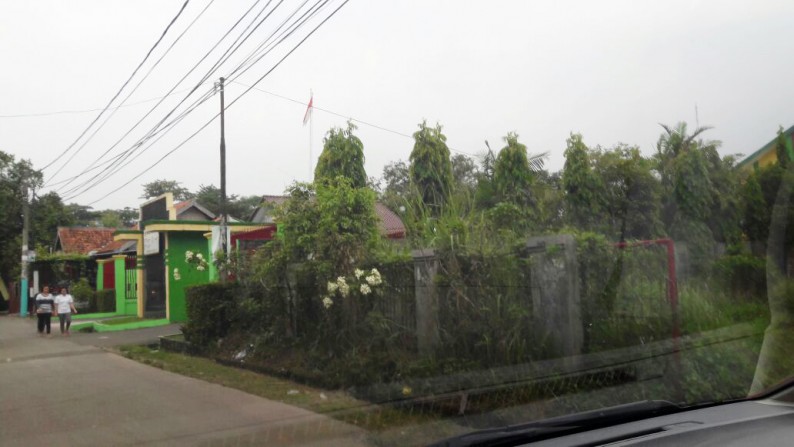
431 169
629 194
16 178
159 187
396 183
464 172
47 214
699 187
581 185
83 215
343 155
513 175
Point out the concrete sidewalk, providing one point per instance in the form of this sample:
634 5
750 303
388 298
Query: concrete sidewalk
67 391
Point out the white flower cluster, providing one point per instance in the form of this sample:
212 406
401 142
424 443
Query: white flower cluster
344 288
374 279
368 282
177 276
197 259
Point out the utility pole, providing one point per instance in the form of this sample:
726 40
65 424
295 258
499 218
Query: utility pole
24 290
224 217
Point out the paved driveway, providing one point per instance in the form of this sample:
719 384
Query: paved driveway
64 391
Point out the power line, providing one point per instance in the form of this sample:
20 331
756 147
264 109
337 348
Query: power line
331 112
141 81
294 27
66 112
184 5
192 90
117 162
227 107
110 170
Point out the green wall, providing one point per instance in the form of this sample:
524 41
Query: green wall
180 242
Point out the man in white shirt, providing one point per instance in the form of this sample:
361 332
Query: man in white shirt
64 304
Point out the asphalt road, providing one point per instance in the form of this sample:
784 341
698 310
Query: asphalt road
69 391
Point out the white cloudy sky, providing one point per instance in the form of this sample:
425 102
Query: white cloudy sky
611 70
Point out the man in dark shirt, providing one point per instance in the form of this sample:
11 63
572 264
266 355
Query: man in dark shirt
44 309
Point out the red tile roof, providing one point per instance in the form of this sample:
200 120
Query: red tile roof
83 240
114 247
389 223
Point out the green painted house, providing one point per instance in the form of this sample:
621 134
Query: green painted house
154 284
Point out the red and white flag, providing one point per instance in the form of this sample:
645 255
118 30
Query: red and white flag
308 113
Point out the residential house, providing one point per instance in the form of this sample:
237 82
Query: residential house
767 154
168 231
389 223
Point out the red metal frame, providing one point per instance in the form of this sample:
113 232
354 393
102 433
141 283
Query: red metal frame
672 297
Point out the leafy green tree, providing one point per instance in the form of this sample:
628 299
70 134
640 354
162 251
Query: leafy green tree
159 187
485 196
699 187
756 212
110 219
629 194
209 196
464 172
47 214
431 168
783 149
16 179
513 175
83 215
396 181
347 231
129 216
580 184
343 155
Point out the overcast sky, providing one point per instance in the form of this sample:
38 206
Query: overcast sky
611 70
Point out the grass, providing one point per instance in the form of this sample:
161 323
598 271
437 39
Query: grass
336 404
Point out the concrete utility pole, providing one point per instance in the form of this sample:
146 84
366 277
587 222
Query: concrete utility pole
24 289
224 217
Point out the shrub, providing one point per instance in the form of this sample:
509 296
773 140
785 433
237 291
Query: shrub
211 309
81 292
105 300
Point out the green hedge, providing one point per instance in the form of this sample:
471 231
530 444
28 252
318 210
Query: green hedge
105 300
211 309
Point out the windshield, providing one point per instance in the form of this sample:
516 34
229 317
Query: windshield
405 220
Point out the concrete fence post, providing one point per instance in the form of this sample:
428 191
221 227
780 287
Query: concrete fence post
427 321
556 301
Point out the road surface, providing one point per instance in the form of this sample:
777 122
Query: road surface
68 391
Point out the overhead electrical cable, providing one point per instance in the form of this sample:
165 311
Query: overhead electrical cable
176 85
113 169
90 183
165 31
203 80
66 112
193 135
331 112
146 76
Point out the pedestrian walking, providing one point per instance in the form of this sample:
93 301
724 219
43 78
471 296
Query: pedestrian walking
64 304
44 309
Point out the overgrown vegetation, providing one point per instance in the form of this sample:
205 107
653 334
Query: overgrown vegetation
305 308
